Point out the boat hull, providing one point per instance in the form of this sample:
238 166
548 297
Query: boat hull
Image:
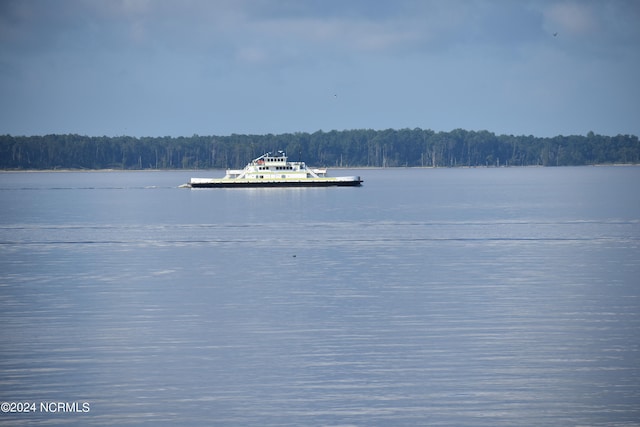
261 183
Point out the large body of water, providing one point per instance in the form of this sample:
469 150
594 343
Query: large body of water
440 297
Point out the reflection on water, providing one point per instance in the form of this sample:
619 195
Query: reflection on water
426 297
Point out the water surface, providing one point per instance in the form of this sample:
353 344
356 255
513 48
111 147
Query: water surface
444 297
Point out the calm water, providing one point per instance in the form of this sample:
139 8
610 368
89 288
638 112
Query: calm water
446 297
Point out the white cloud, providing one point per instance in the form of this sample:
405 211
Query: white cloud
571 18
252 55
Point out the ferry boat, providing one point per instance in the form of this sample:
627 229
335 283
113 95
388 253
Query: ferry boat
271 170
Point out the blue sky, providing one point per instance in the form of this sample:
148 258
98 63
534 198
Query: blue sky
217 67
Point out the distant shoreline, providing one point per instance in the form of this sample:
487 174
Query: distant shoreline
67 170
388 148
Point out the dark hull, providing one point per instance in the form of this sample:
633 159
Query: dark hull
272 184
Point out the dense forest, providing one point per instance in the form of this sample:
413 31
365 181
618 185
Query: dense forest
348 148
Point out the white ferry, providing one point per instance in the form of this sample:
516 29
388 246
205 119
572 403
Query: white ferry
271 170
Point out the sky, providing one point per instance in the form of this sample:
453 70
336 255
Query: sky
219 67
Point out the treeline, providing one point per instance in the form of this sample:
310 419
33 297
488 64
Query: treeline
349 148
